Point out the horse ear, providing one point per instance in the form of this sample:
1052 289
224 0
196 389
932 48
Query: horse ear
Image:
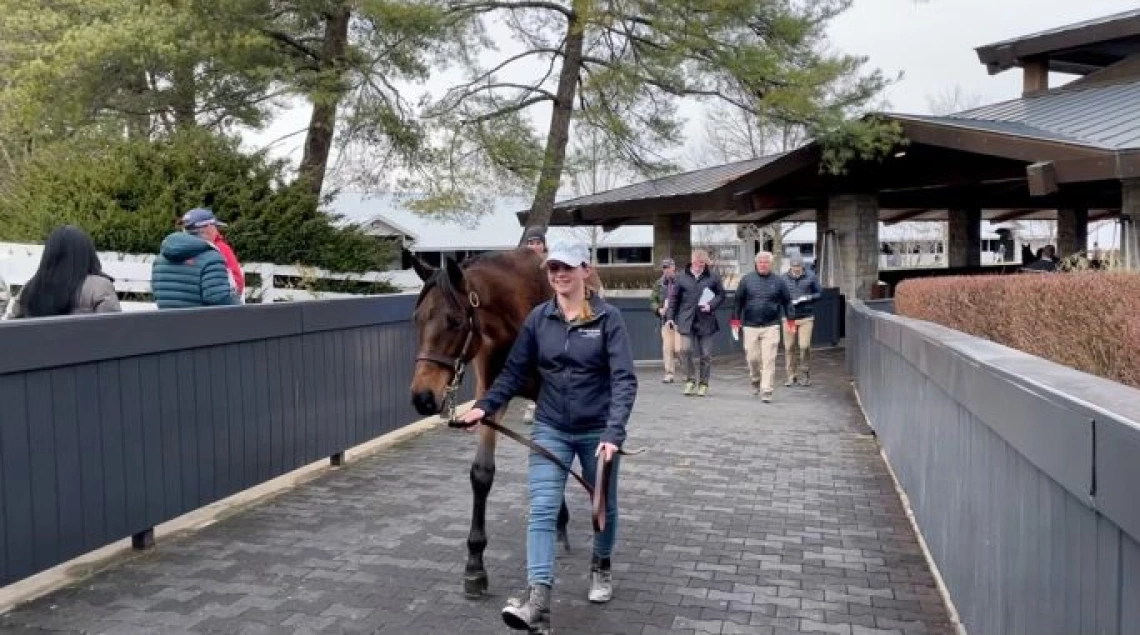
454 273
423 269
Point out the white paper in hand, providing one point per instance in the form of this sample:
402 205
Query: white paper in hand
706 296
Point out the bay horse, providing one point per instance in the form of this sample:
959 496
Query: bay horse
469 315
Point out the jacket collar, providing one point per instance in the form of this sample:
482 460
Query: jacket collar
597 306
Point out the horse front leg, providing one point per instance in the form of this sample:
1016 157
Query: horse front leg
475 580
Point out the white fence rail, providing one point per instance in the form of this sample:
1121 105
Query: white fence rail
131 272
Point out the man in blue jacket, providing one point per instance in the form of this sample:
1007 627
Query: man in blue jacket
191 272
805 290
762 298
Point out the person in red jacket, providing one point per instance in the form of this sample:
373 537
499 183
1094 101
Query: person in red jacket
206 224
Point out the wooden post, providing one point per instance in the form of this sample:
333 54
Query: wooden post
1035 76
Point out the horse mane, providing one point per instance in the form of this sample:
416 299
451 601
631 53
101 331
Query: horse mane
440 280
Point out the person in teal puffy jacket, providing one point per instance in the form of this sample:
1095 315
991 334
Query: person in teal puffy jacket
190 272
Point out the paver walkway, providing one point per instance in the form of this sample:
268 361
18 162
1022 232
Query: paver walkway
743 518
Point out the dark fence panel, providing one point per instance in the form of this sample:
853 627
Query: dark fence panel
110 425
1022 474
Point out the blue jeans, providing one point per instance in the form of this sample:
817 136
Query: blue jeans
547 484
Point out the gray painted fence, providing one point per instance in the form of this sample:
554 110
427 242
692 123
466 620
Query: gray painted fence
111 425
1023 474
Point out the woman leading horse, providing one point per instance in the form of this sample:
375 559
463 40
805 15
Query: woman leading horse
578 346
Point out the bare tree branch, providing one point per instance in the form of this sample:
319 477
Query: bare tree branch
483 7
522 105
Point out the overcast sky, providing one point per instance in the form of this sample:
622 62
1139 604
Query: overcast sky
931 42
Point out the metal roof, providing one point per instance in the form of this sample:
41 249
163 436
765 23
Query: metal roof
694 182
1099 116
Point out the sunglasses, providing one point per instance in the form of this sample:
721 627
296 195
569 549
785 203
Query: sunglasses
558 267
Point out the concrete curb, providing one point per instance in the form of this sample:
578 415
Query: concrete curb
91 563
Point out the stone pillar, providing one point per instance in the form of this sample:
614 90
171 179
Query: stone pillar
964 237
821 227
672 238
1072 231
855 220
1129 217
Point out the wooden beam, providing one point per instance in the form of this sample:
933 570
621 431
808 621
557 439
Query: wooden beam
905 215
743 203
776 216
1013 215
994 144
777 169
1042 178
1035 77
1105 215
613 224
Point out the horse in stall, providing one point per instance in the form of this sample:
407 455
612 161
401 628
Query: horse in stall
469 315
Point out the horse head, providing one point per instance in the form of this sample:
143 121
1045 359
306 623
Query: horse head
445 332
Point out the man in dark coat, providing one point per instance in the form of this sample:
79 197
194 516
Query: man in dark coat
691 310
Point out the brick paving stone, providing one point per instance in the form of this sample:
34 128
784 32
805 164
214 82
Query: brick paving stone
743 518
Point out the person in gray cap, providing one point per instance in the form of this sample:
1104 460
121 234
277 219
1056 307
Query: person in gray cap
805 290
535 238
658 302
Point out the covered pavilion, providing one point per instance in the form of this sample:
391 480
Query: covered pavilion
1070 154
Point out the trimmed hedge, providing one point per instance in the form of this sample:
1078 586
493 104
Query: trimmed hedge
1089 321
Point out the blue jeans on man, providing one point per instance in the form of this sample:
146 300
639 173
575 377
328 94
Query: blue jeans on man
547 483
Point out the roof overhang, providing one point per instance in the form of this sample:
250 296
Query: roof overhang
1079 49
946 165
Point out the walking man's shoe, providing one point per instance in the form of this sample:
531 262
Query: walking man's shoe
806 380
690 387
601 580
756 387
668 379
702 390
791 381
767 398
530 612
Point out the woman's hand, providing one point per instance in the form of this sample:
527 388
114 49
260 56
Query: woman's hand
474 415
606 450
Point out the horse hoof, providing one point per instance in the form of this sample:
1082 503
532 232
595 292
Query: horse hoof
475 585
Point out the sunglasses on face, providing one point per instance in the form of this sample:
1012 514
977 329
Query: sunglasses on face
558 267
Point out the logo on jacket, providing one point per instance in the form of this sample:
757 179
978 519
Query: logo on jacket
591 333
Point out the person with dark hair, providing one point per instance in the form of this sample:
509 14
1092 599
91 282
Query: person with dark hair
68 281
190 271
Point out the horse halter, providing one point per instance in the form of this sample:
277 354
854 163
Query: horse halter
457 364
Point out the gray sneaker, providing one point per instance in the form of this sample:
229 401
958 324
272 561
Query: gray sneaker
766 398
530 611
601 581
